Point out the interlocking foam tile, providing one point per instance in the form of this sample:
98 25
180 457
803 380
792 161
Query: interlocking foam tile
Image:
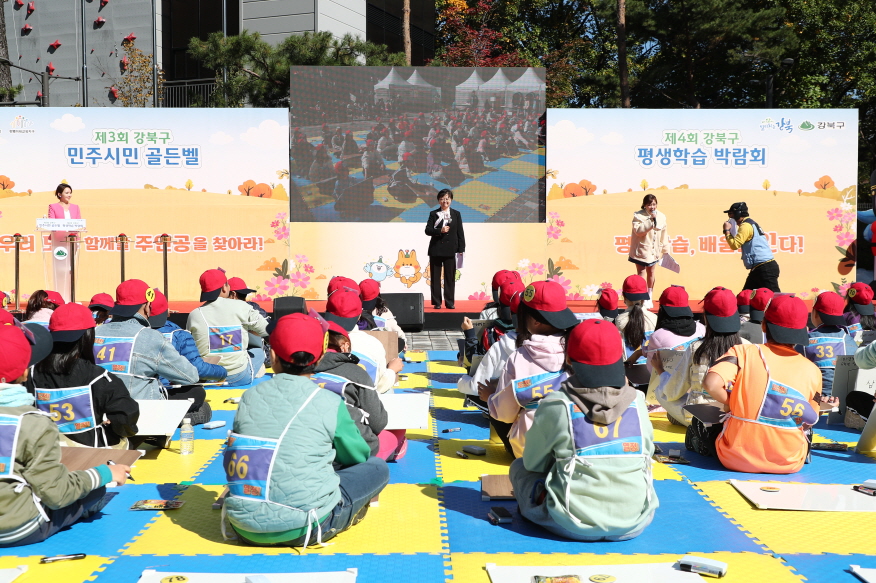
414 381
827 467
406 521
829 568
743 567
680 526
839 433
666 431
60 572
784 531
444 380
372 568
219 432
213 473
416 356
217 398
443 367
415 367
417 467
472 424
662 471
168 465
447 356
106 532
455 468
450 399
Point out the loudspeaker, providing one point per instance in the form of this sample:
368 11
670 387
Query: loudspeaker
407 309
289 305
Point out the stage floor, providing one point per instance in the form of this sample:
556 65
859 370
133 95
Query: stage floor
431 526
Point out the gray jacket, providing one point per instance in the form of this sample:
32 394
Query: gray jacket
152 356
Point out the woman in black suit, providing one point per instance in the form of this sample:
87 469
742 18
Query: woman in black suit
448 238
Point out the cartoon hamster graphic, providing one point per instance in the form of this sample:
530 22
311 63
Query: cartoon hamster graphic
407 268
378 270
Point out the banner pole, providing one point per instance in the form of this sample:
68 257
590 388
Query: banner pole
122 240
165 239
71 241
17 238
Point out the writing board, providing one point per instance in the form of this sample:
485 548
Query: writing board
406 410
161 417
650 572
153 576
810 497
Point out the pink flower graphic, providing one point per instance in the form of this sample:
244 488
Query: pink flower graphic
804 294
605 285
299 279
560 223
554 215
844 288
276 286
837 228
281 216
301 259
282 233
554 232
275 224
309 268
834 214
536 269
576 297
844 239
261 298
479 296
566 283
848 217
814 290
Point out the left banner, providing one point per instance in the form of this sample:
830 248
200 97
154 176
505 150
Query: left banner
214 180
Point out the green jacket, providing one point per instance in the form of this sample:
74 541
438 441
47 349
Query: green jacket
302 478
38 462
591 495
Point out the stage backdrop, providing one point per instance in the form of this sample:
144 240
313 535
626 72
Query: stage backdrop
796 169
215 180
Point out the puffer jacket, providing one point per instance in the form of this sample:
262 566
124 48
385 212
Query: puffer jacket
361 398
184 343
539 354
303 479
152 356
38 463
648 242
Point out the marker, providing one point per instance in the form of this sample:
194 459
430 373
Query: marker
130 477
451 430
56 558
462 455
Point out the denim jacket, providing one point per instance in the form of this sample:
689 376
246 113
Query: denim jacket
152 356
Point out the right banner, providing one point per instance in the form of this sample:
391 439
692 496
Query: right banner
795 170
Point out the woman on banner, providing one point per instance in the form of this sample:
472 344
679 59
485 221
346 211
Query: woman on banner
63 209
649 239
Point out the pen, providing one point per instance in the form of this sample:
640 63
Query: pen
451 430
74 557
112 463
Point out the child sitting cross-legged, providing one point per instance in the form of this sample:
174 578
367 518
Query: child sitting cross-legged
292 431
586 471
828 339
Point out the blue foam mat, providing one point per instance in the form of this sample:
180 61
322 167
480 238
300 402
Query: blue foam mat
836 432
214 473
680 506
106 532
829 568
827 467
415 368
218 433
417 467
472 424
372 568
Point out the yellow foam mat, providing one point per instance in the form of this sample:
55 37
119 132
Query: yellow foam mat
450 399
455 468
445 367
216 398
662 471
413 381
415 356
742 567
60 572
407 520
664 431
162 466
799 532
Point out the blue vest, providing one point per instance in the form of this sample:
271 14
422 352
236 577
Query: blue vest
756 250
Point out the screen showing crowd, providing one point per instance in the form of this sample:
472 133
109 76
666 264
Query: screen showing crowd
376 144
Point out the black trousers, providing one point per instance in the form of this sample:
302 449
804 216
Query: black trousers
448 264
195 392
764 275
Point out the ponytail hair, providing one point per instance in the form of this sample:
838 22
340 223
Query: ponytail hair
36 302
634 331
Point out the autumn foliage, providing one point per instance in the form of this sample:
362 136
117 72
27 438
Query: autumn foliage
467 40
824 183
260 190
583 188
6 183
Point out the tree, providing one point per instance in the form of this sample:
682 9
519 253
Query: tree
258 73
588 187
824 183
406 30
6 183
189 184
133 82
467 38
766 184
7 90
644 184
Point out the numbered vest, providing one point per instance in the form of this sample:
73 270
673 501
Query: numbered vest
379 322
369 364
823 350
684 345
628 350
530 390
114 354
332 382
169 335
853 329
9 428
43 324
782 406
225 339
621 438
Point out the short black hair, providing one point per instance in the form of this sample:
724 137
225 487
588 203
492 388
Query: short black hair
444 191
299 365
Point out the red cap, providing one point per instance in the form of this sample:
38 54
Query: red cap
54 297
69 322
130 295
861 296
212 282
548 298
298 333
721 312
830 306
595 350
101 300
510 294
6 318
675 302
607 303
635 288
160 309
501 277
760 299
369 289
743 301
786 319
15 356
339 281
238 285
344 307
333 326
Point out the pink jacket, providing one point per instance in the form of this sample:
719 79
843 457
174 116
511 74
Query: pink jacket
539 354
56 211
